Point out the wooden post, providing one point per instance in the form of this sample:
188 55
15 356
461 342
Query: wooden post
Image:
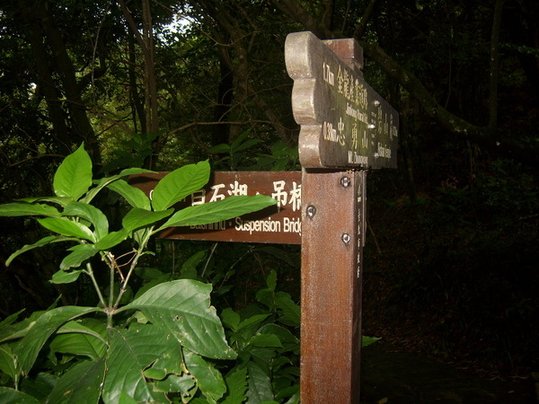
332 227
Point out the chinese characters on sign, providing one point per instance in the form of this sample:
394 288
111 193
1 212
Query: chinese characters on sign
280 224
344 122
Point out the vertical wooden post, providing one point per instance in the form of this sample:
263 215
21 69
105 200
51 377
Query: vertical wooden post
331 255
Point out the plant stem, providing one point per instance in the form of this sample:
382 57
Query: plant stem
90 273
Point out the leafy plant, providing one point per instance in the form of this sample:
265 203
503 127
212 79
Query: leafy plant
157 347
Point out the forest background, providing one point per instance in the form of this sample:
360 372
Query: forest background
451 254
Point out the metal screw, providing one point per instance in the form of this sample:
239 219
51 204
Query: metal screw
376 103
346 238
345 182
311 211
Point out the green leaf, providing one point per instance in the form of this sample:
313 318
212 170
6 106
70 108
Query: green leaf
62 201
289 310
67 227
91 214
180 183
14 209
236 381
103 182
366 341
131 351
80 384
76 339
266 341
220 210
133 195
74 176
62 277
78 255
259 385
12 396
230 318
8 361
28 348
41 243
137 218
209 380
183 308
111 240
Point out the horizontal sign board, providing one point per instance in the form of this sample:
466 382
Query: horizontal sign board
280 224
344 122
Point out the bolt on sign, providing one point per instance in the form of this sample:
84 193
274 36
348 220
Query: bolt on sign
344 122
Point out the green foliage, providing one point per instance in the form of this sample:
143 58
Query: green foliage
161 345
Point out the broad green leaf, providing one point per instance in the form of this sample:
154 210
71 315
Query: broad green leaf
131 351
111 240
78 255
289 311
62 277
182 307
236 381
209 380
91 214
213 212
28 348
12 396
20 329
66 227
80 384
27 209
8 361
133 195
137 218
230 318
259 385
103 182
10 319
290 343
58 200
178 184
74 176
41 243
77 339
265 341
185 385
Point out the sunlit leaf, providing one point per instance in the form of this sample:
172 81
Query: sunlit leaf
133 195
66 227
180 183
112 239
78 255
137 218
14 209
63 277
74 176
103 182
214 212
91 214
183 308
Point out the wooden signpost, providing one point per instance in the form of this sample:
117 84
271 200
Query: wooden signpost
346 127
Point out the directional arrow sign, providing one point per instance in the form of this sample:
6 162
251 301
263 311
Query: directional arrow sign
344 122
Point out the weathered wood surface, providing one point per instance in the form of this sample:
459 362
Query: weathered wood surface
344 122
331 269
280 224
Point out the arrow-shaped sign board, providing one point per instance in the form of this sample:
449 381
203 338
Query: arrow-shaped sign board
344 122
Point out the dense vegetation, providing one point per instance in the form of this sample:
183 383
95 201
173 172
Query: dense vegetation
452 244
